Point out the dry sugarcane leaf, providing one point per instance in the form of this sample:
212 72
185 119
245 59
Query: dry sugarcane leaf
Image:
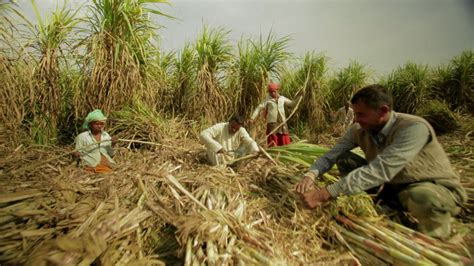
21 195
70 244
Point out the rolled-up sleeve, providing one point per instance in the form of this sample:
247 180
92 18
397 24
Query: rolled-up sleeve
408 142
207 137
258 109
288 102
325 162
249 144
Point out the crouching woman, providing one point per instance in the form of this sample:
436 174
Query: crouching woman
94 146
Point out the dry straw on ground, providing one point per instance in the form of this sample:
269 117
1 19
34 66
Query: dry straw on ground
165 205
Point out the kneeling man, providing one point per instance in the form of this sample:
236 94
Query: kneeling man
402 153
226 141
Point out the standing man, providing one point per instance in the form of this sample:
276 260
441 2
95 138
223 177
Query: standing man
344 116
94 146
402 153
274 106
226 141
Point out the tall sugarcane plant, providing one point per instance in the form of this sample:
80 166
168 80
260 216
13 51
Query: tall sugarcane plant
160 81
14 76
185 77
345 83
454 82
119 52
46 97
311 82
410 86
208 99
11 29
257 63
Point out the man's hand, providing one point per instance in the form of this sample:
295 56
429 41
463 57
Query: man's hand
316 197
299 94
114 139
76 154
307 183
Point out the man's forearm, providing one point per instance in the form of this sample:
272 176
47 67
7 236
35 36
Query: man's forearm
407 144
324 163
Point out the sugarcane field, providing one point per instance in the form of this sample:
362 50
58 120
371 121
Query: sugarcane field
114 151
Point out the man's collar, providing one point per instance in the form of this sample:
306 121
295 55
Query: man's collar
101 133
388 126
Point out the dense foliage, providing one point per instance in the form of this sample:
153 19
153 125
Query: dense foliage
113 61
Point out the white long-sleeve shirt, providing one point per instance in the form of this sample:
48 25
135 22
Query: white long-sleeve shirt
91 150
218 137
274 108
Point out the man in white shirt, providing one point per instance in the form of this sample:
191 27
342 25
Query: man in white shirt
226 141
94 146
274 106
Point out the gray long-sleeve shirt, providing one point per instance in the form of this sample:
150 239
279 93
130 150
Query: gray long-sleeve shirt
407 144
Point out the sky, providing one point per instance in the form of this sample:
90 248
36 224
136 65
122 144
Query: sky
381 34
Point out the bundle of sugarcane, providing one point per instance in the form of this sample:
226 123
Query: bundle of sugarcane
297 153
274 227
360 204
58 214
212 225
299 228
199 214
34 210
394 242
20 218
34 222
105 235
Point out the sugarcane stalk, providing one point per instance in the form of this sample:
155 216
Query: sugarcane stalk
263 260
245 258
267 155
21 195
425 240
373 246
428 242
188 254
89 220
211 252
242 158
178 185
426 248
143 142
139 242
395 242
425 251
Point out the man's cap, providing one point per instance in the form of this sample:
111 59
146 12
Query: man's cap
273 86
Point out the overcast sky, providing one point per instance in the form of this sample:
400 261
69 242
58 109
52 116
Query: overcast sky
381 34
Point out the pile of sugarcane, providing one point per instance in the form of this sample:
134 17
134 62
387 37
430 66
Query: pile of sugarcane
56 214
163 207
211 226
395 243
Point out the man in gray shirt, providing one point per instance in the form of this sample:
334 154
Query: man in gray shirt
402 153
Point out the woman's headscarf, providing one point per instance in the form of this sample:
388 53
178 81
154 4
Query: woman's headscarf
95 115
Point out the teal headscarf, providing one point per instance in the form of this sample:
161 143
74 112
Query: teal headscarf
95 115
